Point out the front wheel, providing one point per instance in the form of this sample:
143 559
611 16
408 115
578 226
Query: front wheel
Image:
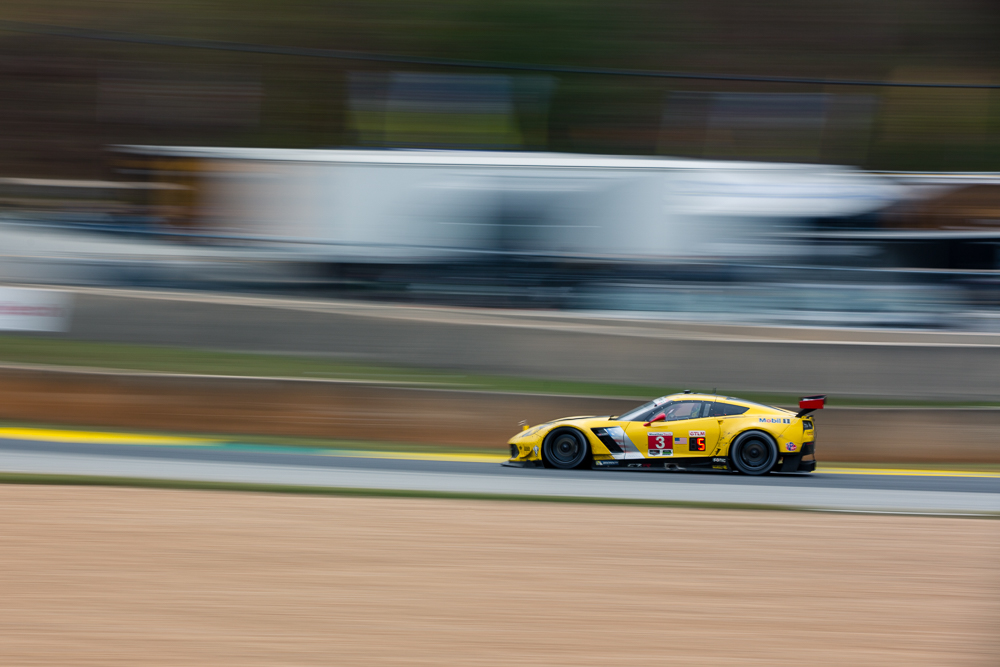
565 449
754 453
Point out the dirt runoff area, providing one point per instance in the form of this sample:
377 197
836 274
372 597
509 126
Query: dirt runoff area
100 576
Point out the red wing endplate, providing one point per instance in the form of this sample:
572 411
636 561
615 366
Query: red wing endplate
809 403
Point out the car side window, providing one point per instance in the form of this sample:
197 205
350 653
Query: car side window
727 410
683 410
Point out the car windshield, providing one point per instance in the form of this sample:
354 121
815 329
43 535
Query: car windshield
672 411
644 411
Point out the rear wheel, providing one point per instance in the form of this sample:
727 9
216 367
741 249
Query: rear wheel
565 448
754 453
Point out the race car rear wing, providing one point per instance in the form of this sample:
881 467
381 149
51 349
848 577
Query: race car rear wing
809 403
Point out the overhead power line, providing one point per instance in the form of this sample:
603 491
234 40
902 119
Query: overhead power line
305 52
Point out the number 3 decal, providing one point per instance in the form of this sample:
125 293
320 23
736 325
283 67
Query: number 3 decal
660 441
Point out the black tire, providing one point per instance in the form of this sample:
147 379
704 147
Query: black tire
754 453
565 448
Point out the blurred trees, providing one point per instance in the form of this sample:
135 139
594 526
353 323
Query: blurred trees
62 100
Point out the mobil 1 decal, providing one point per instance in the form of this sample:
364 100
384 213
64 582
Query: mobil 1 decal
660 444
696 441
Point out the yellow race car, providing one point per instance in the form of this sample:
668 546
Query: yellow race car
678 432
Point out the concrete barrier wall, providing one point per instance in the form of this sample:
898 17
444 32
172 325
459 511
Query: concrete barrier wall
558 346
339 410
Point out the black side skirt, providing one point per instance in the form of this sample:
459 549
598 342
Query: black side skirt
681 462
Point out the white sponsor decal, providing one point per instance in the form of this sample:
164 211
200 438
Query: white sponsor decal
696 434
23 309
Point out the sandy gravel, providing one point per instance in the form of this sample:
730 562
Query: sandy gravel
93 576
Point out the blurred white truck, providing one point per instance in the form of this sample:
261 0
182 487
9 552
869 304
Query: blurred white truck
407 206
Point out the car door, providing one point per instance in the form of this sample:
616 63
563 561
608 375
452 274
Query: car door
685 431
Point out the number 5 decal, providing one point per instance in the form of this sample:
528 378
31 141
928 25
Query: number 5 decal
696 441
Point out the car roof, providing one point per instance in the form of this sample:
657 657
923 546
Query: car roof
726 399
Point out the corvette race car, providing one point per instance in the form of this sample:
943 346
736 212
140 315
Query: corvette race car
678 432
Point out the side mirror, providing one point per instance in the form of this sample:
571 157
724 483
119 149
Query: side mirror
658 418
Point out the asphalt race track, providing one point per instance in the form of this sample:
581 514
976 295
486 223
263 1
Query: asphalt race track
206 461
